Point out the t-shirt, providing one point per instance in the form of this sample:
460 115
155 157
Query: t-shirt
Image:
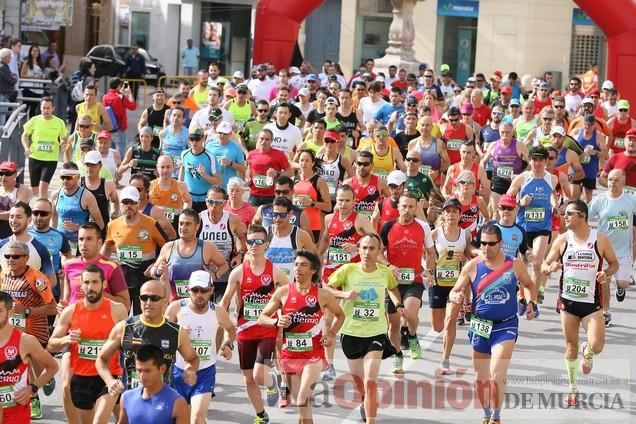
259 162
45 137
39 257
249 133
627 164
420 185
369 109
365 314
230 151
615 217
138 244
384 113
287 138
115 281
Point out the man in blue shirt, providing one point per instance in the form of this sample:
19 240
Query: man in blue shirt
395 103
228 153
190 56
135 68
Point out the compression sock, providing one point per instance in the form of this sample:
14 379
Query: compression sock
496 414
572 367
487 412
588 354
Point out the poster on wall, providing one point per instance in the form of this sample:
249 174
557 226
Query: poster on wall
211 41
47 13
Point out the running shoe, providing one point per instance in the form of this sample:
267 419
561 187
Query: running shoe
49 387
572 398
328 374
620 294
363 414
522 305
398 363
285 397
259 420
36 409
540 296
493 421
445 368
608 319
415 348
586 363
273 393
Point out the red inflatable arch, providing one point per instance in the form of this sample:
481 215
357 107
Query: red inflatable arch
278 21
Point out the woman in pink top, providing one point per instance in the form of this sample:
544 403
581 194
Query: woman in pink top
237 205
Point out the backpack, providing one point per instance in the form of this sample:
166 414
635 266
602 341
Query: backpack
77 94
113 118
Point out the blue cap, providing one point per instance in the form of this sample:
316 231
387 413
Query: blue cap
544 85
312 77
515 102
507 118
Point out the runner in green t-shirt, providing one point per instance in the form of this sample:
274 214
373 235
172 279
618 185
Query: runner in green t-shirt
43 134
364 338
421 185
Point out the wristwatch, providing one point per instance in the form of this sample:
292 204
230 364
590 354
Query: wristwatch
27 312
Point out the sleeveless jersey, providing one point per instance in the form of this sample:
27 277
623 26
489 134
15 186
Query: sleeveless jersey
340 232
256 291
173 145
190 161
455 175
537 216
137 333
541 138
146 161
69 208
219 234
282 250
156 410
469 215
170 200
101 198
180 268
589 162
15 377
506 160
155 120
429 157
388 211
92 111
405 248
617 138
309 144
581 262
200 97
95 326
240 113
202 334
487 136
308 189
333 173
109 162
365 196
497 300
302 338
382 164
266 215
447 269
454 138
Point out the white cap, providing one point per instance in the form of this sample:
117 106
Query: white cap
396 177
379 78
224 128
607 85
304 92
238 74
93 157
558 130
294 70
201 279
587 100
129 193
71 172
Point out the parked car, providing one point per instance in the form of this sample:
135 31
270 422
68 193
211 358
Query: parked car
111 60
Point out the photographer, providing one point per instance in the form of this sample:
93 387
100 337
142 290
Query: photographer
120 99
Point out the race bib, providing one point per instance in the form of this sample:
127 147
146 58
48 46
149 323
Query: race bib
454 144
156 130
18 321
73 245
89 348
299 342
261 181
366 311
338 256
45 146
585 158
203 348
425 169
505 171
381 174
618 223
252 310
481 327
332 186
619 142
299 200
534 214
6 396
447 272
576 287
181 287
130 254
630 190
133 380
169 213
406 276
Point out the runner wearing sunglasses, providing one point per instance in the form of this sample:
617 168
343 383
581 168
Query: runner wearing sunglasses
368 188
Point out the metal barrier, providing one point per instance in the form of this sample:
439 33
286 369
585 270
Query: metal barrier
174 80
11 137
33 84
140 81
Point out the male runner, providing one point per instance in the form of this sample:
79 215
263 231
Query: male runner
368 188
172 195
284 187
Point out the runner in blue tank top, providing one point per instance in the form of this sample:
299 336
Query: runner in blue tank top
492 278
594 149
513 236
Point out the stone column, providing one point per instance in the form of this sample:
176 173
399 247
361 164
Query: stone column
401 39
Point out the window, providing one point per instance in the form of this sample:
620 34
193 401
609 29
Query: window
140 28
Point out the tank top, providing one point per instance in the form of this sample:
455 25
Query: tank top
302 337
388 211
282 250
309 144
581 262
219 234
454 138
266 214
365 196
340 232
170 200
617 139
447 269
137 333
523 128
589 162
156 410
541 138
173 145
93 112
429 157
498 300
100 197
506 160
200 97
77 140
455 175
6 203
202 334
69 208
15 377
109 162
537 216
240 113
256 291
180 268
155 119
382 164
469 215
308 188
146 161
333 174
95 326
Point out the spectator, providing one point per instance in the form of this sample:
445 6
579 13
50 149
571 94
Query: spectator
190 56
14 65
32 69
135 68
8 81
120 100
51 52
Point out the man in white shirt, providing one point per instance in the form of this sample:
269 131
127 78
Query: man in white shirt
287 137
201 118
260 87
370 105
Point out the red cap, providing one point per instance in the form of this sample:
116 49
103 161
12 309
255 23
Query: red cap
506 90
103 134
498 73
8 166
595 92
631 134
508 200
417 94
230 92
332 135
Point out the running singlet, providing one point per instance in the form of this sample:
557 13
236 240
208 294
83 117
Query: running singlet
282 250
256 291
469 215
495 297
589 162
333 173
388 211
202 334
455 176
308 189
170 200
138 333
156 410
429 157
180 268
506 161
382 164
240 113
173 145
266 215
365 196
523 128
537 216
366 315
100 197
113 276
220 235
405 248
340 232
513 237
617 138
15 377
95 326
454 138
31 289
146 161
302 338
448 269
581 262
69 208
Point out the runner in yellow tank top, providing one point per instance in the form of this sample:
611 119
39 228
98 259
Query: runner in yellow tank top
383 164
91 107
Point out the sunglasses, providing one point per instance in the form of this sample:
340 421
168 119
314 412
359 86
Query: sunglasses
258 242
262 110
489 243
128 202
66 177
176 103
6 173
515 106
282 192
620 110
41 213
197 290
497 113
282 215
428 76
453 120
480 80
13 256
363 163
411 104
150 297
412 159
572 213
558 106
506 208
85 126
195 138
465 182
215 202
330 141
